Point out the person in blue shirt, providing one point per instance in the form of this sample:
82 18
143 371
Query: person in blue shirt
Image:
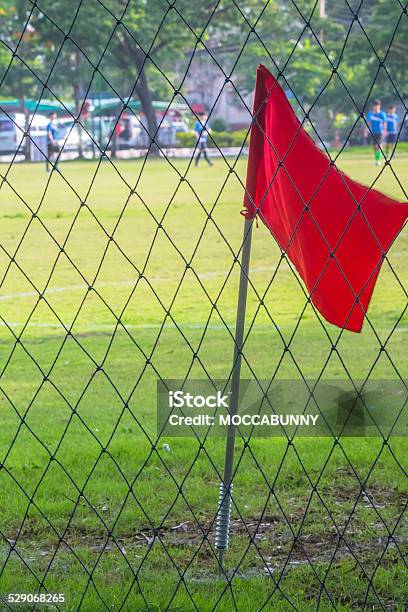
52 145
201 131
376 120
392 130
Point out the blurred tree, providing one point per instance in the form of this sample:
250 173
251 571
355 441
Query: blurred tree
306 43
18 61
380 36
134 44
16 34
152 36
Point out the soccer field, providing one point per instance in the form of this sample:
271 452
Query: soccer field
109 277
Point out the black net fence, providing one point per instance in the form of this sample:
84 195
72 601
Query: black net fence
120 259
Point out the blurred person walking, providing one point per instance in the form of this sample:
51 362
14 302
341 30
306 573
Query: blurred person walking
53 148
202 130
376 120
392 130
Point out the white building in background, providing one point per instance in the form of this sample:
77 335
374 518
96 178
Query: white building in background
206 90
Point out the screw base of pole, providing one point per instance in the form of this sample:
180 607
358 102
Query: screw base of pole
222 528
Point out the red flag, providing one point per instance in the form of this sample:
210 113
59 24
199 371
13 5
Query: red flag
334 230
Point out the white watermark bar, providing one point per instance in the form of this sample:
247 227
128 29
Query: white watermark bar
282 407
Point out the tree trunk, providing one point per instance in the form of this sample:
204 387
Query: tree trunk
137 57
144 95
115 135
76 91
76 86
27 148
27 143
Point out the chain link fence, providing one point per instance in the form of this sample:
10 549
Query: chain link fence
117 273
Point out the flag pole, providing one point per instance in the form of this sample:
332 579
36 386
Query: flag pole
225 495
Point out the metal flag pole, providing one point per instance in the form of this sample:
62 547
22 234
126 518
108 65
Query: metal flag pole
225 497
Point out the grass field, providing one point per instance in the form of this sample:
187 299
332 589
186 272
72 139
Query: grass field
96 302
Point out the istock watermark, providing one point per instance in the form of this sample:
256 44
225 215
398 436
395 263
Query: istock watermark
179 399
283 408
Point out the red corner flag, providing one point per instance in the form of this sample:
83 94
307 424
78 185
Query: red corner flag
334 230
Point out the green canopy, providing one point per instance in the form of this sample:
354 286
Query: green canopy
103 107
112 105
42 107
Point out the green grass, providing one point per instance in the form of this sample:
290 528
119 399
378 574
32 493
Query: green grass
78 411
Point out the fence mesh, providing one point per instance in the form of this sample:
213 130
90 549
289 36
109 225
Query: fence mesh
116 273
